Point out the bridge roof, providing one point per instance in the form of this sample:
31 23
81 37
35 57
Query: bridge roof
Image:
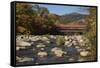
71 26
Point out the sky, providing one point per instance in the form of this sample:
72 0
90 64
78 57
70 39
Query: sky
61 10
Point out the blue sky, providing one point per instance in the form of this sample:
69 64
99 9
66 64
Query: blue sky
60 10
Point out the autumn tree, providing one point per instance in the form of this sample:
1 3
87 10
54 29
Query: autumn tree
24 16
34 19
91 34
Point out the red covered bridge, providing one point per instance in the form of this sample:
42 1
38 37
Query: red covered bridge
71 27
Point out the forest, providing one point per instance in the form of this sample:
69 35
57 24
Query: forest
33 19
29 17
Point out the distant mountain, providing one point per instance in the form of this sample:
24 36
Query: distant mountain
72 17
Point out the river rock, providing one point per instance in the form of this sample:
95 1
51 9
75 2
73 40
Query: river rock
57 51
66 37
24 59
52 37
42 54
84 53
23 44
35 38
67 43
40 45
44 39
18 48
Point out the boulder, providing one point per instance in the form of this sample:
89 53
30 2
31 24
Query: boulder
23 44
18 48
42 54
66 43
52 37
35 38
44 39
40 45
84 53
57 51
47 41
66 37
75 42
24 59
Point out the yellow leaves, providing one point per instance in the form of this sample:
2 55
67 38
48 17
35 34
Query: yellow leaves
60 40
21 29
91 34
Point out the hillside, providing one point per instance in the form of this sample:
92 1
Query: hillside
72 17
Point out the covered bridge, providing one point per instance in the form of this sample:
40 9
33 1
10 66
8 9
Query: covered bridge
71 27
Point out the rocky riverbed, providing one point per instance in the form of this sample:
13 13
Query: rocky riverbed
44 49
